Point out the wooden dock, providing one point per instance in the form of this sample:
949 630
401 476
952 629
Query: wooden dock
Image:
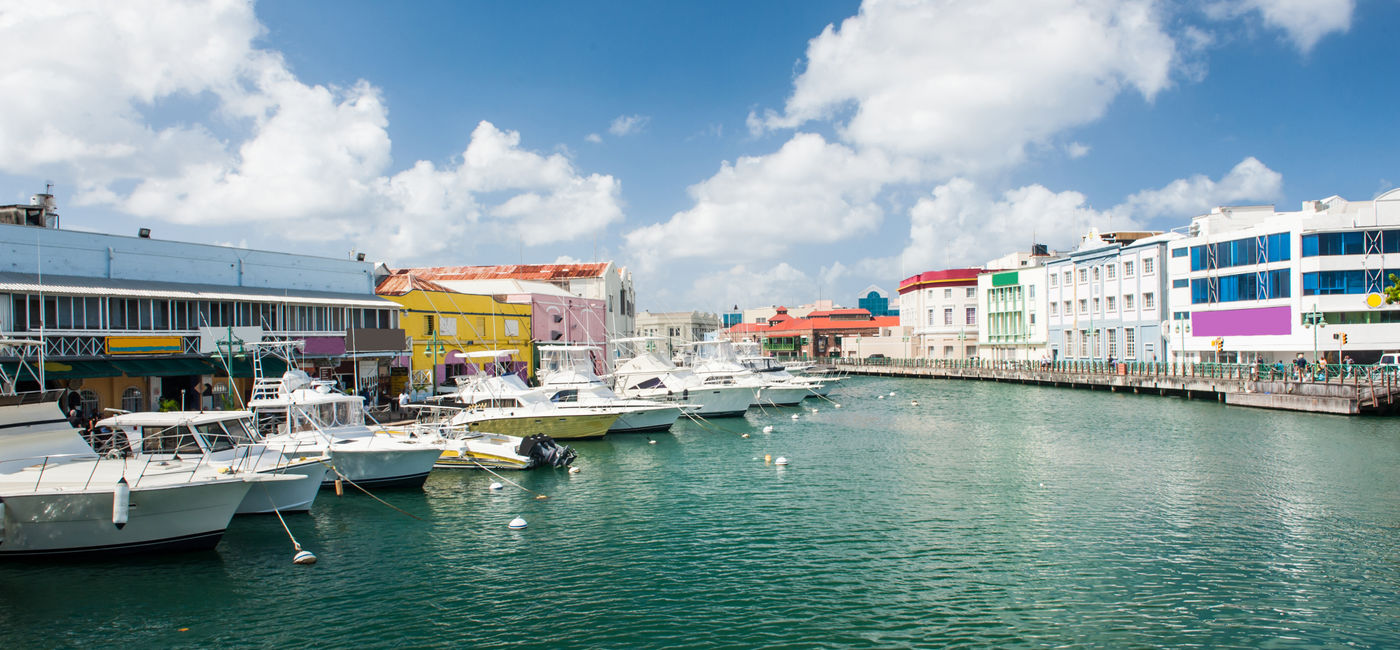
1236 385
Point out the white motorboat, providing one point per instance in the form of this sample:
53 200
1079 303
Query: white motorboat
60 500
301 417
650 376
463 448
717 361
504 404
568 379
228 442
751 356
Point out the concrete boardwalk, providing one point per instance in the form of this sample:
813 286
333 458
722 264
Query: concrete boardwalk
1229 384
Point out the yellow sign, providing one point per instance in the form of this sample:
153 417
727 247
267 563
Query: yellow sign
144 345
1374 300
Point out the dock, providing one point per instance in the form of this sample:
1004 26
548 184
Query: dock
1337 391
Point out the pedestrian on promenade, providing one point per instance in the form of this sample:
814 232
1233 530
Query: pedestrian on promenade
402 404
1300 365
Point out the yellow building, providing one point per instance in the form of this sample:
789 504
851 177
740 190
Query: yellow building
442 325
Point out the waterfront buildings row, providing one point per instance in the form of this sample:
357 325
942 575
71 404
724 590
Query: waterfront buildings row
133 322
1235 284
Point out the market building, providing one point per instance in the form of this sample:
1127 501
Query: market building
131 322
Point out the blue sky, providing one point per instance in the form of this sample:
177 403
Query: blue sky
727 152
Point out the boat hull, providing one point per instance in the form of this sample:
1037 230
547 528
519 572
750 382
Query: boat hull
652 419
486 451
382 467
286 496
781 395
183 517
559 427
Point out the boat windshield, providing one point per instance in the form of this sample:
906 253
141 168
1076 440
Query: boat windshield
169 440
223 436
341 413
570 395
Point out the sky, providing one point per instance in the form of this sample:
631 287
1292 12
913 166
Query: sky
726 152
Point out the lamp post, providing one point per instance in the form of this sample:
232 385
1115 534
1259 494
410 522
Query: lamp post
1310 319
1183 328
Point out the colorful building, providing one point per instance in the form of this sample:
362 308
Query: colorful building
443 324
824 333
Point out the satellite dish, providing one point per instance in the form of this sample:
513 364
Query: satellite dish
1166 326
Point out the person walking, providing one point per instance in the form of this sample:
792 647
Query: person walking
402 404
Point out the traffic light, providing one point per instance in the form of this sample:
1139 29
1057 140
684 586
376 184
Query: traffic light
1344 338
1219 343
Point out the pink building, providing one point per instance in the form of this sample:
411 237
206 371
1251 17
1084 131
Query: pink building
556 316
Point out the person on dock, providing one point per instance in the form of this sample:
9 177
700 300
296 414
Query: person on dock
1300 366
402 403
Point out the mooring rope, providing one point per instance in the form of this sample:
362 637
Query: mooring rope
371 494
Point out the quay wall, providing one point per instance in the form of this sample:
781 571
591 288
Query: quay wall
1238 385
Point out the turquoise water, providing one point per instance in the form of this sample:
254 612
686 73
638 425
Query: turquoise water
988 515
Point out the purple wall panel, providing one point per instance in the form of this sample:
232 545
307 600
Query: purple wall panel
325 345
1262 321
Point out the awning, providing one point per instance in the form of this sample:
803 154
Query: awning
79 369
162 367
242 366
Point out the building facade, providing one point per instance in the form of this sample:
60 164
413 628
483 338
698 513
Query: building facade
1108 298
679 327
130 322
1013 303
940 310
1272 285
876 301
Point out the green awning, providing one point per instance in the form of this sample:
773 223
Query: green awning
242 366
79 369
162 367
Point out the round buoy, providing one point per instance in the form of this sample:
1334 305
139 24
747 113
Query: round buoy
768 429
814 410
794 416
881 397
744 435
838 406
304 557
497 486
913 402
651 442
782 460
574 470
891 393
517 524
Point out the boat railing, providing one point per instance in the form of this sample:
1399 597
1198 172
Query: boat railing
55 460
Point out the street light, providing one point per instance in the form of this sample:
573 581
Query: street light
1311 318
1183 328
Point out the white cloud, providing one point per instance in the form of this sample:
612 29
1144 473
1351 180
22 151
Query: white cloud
966 85
741 285
628 125
809 191
594 138
1077 150
314 157
1304 21
1250 180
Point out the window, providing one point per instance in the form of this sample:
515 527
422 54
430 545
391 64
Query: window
1083 276
1251 250
428 326
1112 268
1180 252
1053 279
1246 286
1032 318
948 316
971 351
1083 343
131 400
1069 342
1130 337
1147 302
1068 309
947 351
1180 283
1096 306
947 294
1323 283
930 318
1147 264
1083 305
972 292
1098 342
1127 302
1112 343
1030 291
1054 309
1096 274
1112 303
1147 352
1067 278
971 315
1127 268
90 404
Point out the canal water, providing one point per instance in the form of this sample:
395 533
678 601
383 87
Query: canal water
985 515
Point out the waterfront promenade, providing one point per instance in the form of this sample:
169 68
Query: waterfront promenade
1332 389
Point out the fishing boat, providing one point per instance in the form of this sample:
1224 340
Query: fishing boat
463 448
491 400
568 379
716 362
302 417
751 357
228 442
650 376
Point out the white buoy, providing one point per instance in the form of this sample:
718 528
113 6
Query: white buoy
768 429
304 557
891 393
121 503
744 435
782 460
838 406
651 442
913 402
814 410
794 416
497 486
517 524
574 470
881 397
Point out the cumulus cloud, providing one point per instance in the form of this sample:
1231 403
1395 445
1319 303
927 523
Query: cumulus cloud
809 191
1076 150
1304 21
743 285
262 145
966 85
594 138
1250 180
628 125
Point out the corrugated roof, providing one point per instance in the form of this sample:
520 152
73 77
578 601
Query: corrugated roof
513 271
82 286
399 284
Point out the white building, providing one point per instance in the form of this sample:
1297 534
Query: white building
1013 304
680 327
939 309
1105 300
1258 279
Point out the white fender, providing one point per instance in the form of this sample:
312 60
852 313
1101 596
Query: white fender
2 521
121 502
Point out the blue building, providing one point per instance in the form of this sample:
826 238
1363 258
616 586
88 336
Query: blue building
876 301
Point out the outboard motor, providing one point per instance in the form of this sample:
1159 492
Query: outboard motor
545 451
